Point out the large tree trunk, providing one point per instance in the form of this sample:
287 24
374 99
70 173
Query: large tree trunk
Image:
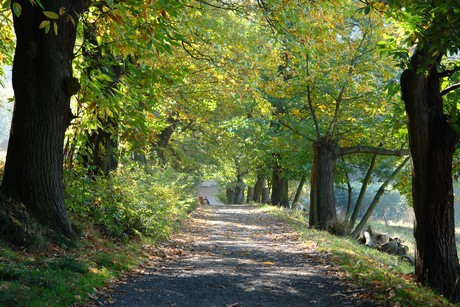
280 192
43 85
322 198
432 143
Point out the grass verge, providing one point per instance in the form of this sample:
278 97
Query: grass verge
387 277
56 277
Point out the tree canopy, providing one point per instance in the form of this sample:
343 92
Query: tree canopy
246 92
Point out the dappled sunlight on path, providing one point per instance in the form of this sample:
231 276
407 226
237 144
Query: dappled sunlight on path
235 256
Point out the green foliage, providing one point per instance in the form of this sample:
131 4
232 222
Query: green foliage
134 202
137 201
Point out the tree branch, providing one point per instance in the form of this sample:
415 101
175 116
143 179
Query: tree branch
450 89
295 131
342 151
448 72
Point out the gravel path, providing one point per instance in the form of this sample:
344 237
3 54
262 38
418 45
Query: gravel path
235 256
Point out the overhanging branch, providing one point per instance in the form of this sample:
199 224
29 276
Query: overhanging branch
342 151
450 89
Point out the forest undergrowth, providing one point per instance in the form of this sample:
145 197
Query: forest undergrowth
117 218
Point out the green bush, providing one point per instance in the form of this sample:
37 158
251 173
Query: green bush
134 202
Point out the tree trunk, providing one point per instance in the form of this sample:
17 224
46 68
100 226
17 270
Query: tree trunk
362 192
266 195
322 199
349 199
164 137
280 196
229 193
299 190
258 188
43 85
376 199
250 194
101 147
432 143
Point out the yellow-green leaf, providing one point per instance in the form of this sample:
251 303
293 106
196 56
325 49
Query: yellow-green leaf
51 15
44 24
72 20
55 27
61 10
17 9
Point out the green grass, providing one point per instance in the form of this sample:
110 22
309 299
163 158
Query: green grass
387 277
61 280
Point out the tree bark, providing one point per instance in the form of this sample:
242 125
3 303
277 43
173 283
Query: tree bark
102 147
299 189
432 143
280 196
250 194
376 200
349 198
100 154
258 188
322 199
164 137
43 84
362 192
266 195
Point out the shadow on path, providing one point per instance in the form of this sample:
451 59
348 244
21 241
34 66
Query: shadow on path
236 256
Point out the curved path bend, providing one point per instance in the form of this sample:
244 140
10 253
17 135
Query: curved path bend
235 256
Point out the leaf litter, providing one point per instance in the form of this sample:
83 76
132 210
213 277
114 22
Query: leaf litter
235 256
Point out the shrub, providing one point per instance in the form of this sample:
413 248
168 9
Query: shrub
134 202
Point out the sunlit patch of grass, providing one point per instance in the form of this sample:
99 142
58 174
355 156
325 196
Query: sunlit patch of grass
387 277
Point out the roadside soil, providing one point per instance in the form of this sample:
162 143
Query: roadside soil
233 256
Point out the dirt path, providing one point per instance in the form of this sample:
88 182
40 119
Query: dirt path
235 256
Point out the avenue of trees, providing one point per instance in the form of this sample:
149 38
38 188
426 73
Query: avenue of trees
262 93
